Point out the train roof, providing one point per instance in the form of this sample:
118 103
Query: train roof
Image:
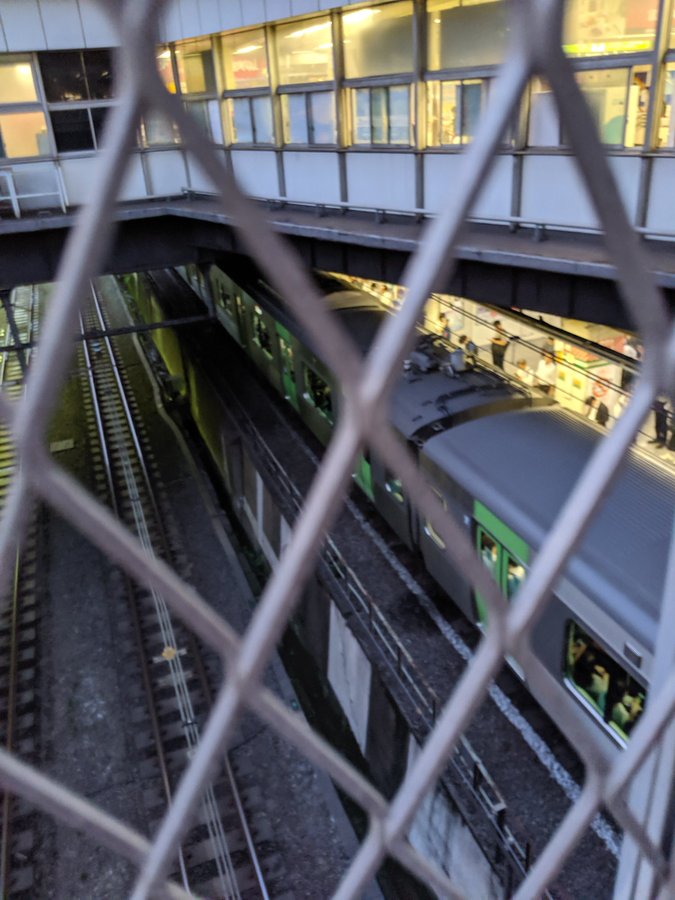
423 398
523 465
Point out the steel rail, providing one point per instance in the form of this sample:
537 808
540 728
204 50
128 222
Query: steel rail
133 489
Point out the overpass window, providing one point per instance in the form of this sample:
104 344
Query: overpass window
595 29
17 81
23 126
381 115
164 64
194 62
158 131
466 34
618 101
454 110
309 118
197 82
79 87
247 104
304 51
23 134
378 40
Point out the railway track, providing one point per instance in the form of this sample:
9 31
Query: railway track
18 624
218 857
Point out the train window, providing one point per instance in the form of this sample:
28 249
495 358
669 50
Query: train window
607 688
489 553
429 528
393 486
224 298
318 392
515 575
261 334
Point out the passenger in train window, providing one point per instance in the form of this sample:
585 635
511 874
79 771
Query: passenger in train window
488 552
514 578
627 711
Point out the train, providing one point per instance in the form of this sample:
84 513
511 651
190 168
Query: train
502 459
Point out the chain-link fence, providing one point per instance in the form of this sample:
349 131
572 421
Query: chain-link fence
366 385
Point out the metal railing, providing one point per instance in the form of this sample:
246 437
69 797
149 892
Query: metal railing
366 384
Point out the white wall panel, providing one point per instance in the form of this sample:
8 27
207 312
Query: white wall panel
133 186
81 175
442 172
166 172
230 14
553 192
349 674
22 25
312 177
99 29
253 11
256 172
381 180
3 39
439 832
300 7
40 179
198 179
209 16
277 9
62 24
661 192
190 23
171 27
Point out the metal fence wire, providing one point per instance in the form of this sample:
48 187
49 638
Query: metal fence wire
366 384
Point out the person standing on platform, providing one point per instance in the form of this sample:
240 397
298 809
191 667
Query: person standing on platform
498 345
660 422
546 375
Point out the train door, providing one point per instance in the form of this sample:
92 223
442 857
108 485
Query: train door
504 554
289 384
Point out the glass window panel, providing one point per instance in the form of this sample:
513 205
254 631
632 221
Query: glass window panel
666 134
605 685
199 110
318 392
399 113
638 106
99 70
378 40
380 123
605 92
602 27
473 33
195 67
63 76
294 112
165 68
243 60
544 124
305 51
450 113
24 134
159 130
322 122
433 92
240 121
361 107
98 116
474 94
72 130
216 125
17 83
262 120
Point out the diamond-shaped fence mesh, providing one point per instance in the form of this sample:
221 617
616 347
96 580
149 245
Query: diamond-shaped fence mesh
366 385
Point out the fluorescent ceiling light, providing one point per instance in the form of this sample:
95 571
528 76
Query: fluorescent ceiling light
249 48
309 30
